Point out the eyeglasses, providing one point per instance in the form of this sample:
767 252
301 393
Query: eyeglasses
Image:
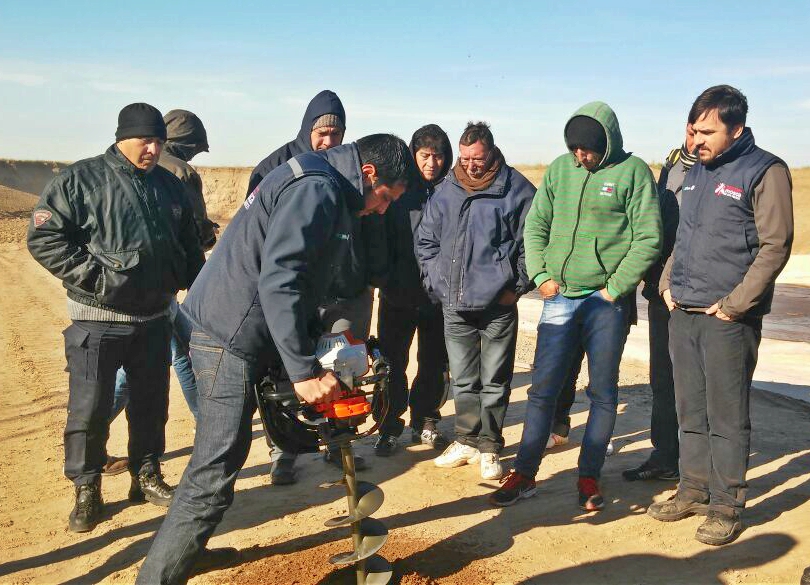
478 162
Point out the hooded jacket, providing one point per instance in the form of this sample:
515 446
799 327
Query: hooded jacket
186 139
403 283
326 102
259 291
118 238
588 230
470 246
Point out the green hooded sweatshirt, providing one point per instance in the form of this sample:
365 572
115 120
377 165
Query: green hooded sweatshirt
588 230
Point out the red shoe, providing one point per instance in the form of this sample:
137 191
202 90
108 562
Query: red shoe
590 498
515 487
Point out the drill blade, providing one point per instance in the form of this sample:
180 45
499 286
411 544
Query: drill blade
373 535
369 499
378 571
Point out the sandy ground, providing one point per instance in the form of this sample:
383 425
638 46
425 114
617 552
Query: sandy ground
441 528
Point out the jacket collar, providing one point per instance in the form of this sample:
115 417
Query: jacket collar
743 145
345 160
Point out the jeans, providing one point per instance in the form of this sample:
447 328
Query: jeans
600 326
664 420
713 362
562 413
481 353
221 446
95 350
396 327
182 368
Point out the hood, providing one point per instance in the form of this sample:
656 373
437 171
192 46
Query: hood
326 102
445 148
185 134
345 159
604 114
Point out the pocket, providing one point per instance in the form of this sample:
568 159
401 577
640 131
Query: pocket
117 269
76 350
205 362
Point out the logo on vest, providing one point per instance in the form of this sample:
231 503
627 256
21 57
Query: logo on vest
689 188
729 191
249 200
607 189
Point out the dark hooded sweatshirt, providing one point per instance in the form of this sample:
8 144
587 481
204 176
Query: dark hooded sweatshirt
403 282
186 139
326 102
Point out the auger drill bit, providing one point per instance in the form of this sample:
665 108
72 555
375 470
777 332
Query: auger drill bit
368 535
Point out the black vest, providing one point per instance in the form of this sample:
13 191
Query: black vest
717 236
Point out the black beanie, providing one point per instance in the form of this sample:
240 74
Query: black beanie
585 132
140 121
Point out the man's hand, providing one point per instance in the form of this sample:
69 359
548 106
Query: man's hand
321 390
508 297
715 310
606 295
667 296
549 289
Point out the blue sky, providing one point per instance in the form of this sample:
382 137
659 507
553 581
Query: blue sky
248 70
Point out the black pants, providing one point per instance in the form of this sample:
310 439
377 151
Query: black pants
94 351
664 420
713 363
481 353
396 327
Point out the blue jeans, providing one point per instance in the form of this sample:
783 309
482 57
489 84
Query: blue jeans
221 445
601 328
185 375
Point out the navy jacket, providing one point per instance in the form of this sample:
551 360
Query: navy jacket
326 102
717 236
259 291
470 247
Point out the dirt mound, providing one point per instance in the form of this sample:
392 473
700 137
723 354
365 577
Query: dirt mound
29 176
224 189
15 210
414 561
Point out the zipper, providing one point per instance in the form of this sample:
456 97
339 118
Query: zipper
453 254
576 228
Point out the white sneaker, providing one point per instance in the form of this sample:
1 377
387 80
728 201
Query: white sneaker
555 440
491 466
457 455
610 450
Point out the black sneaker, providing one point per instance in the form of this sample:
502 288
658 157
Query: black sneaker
647 471
88 509
333 457
430 437
384 447
282 472
150 487
718 528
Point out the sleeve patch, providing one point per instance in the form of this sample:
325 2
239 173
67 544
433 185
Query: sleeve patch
41 216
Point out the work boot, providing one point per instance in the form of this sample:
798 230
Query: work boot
282 472
677 507
333 456
150 487
719 528
88 509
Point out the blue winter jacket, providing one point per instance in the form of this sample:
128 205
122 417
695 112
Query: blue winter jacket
259 291
470 246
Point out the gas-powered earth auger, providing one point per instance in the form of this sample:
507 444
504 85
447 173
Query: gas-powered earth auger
300 428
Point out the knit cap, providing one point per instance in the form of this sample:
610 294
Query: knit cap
140 120
328 120
585 132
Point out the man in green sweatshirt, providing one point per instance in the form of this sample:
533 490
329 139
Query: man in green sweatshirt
593 230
